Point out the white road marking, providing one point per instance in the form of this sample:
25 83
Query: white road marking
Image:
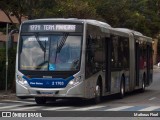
26 108
118 108
11 106
88 108
150 108
152 98
56 108
17 101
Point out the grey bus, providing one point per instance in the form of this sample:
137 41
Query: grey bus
80 58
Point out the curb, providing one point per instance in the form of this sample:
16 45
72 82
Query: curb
12 96
7 95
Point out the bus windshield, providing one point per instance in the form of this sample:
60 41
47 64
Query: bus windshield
59 52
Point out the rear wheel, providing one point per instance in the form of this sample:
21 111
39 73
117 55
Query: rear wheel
143 85
40 100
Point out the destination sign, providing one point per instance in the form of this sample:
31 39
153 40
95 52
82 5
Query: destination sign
51 28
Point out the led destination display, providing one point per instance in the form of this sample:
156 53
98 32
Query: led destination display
51 28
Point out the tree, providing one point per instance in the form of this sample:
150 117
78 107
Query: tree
12 7
30 8
139 15
5 8
76 9
114 12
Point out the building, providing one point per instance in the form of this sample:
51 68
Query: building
4 20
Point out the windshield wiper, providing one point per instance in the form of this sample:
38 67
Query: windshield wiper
39 42
41 45
61 44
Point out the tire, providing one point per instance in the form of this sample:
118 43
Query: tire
98 94
122 90
53 99
143 85
22 97
40 100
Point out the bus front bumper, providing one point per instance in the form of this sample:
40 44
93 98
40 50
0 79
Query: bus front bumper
25 91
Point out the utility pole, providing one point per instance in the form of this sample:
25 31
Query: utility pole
8 39
6 57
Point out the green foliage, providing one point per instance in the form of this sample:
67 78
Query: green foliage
10 27
113 11
75 8
140 15
2 29
147 16
11 68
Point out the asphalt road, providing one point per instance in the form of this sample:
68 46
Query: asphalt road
135 101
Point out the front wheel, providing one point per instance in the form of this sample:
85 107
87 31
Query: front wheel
98 94
40 100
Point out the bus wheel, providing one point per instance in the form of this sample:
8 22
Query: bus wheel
40 100
98 95
143 85
122 90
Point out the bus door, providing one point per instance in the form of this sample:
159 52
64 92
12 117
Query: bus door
149 58
107 67
137 62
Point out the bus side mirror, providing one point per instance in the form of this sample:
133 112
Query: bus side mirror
10 37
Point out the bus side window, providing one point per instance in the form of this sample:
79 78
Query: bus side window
90 50
123 52
120 54
114 57
89 56
99 57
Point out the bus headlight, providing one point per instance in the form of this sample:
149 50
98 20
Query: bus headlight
75 81
21 80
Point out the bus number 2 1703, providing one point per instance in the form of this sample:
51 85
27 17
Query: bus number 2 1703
58 83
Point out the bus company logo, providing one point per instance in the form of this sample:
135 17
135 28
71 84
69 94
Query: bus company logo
47 83
6 114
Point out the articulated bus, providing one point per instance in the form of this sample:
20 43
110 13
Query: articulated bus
80 58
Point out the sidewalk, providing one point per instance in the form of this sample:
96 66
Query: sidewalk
156 68
7 94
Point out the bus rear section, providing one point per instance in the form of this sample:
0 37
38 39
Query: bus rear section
49 60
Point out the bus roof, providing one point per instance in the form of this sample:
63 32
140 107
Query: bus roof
130 31
74 20
135 33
